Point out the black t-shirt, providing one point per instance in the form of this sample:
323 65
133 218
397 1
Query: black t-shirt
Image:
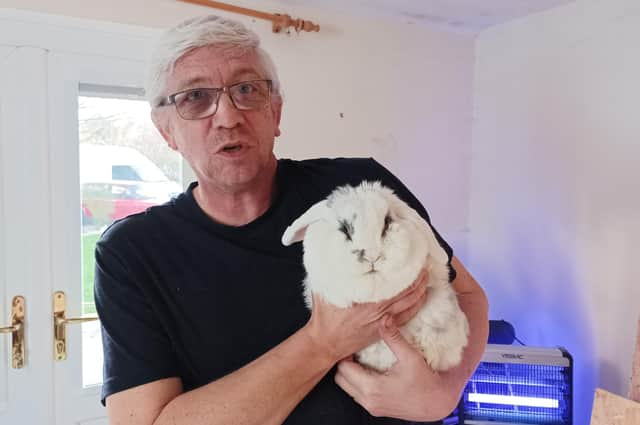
180 295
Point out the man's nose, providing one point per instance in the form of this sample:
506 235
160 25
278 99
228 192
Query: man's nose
227 115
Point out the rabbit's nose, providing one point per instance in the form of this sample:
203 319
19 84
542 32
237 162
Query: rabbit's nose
364 258
360 254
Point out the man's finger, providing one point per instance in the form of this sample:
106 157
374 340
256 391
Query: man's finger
391 335
405 316
353 378
354 372
357 375
348 387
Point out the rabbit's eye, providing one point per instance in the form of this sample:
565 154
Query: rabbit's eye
387 222
346 228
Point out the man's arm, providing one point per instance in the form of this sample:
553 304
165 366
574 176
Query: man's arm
410 389
263 392
266 390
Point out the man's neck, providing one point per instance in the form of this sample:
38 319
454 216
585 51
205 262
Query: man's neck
237 206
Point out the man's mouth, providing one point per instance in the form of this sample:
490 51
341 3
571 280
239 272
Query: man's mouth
231 147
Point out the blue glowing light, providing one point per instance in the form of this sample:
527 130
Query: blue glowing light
519 393
511 400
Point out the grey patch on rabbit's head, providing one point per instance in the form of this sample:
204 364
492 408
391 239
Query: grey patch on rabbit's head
364 215
346 227
351 204
348 210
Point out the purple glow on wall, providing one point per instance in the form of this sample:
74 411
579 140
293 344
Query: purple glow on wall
530 281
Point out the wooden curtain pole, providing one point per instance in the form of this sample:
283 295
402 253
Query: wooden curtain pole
279 21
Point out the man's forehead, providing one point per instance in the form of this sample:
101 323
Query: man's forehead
209 78
215 67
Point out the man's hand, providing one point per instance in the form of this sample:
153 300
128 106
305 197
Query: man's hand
410 389
405 391
341 332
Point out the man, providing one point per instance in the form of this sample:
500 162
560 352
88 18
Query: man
202 312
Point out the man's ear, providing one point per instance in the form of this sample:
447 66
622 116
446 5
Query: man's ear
277 114
161 121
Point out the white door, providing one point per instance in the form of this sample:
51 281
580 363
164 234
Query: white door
25 247
77 150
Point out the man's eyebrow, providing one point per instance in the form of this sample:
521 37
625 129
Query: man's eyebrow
239 74
197 81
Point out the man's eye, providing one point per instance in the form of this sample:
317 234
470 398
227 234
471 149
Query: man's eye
246 88
194 95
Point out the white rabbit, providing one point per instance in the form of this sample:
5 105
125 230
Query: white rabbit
364 244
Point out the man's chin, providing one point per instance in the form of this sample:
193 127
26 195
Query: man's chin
237 180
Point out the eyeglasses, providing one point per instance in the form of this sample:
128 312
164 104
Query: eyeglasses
199 103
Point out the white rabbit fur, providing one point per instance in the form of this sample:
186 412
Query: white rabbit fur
343 233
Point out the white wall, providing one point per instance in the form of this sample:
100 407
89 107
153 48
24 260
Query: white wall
399 93
555 200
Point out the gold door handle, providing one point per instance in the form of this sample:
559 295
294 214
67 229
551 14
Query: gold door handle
17 332
9 329
59 325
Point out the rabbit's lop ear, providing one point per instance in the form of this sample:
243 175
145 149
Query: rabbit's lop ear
296 231
435 250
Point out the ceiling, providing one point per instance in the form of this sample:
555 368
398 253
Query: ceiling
463 15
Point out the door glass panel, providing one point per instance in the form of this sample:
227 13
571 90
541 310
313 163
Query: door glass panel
125 167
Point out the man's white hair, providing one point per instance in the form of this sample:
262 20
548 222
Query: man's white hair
197 32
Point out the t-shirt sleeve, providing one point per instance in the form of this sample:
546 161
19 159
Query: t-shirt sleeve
136 348
388 179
